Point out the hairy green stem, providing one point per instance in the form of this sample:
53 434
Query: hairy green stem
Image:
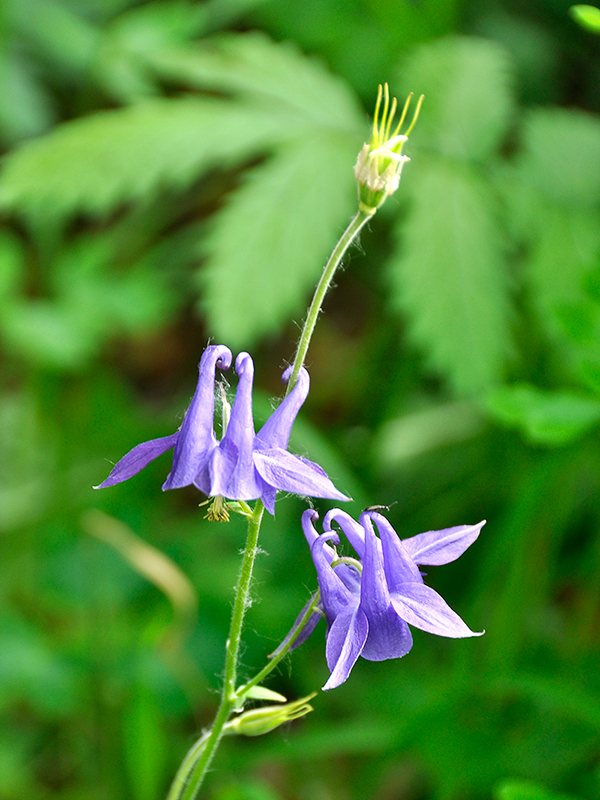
260 676
333 263
191 773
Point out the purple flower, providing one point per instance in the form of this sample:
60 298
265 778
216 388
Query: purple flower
368 605
243 465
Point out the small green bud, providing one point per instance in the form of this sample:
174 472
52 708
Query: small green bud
379 163
263 720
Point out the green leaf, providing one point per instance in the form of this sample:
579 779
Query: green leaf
587 16
526 790
93 300
371 33
136 298
449 275
222 13
150 27
277 73
563 249
26 108
581 323
589 372
119 65
99 162
270 242
50 335
561 156
64 38
549 418
468 95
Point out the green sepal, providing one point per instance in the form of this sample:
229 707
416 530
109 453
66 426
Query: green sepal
262 693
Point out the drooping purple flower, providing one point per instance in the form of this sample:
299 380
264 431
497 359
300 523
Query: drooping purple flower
368 605
242 465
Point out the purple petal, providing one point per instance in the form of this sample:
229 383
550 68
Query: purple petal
135 460
335 595
240 431
289 473
424 608
350 576
196 436
276 430
308 517
352 529
399 566
345 641
202 480
268 495
374 595
389 636
442 547
221 465
312 622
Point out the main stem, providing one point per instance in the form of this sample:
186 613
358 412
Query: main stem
191 773
315 307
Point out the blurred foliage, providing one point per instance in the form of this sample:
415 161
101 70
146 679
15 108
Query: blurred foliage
177 170
587 16
525 790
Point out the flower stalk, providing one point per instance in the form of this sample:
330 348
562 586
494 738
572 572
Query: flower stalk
190 775
189 779
377 172
312 316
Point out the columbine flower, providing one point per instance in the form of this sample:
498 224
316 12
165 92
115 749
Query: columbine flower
368 605
379 164
243 465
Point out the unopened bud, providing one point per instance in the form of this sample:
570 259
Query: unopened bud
379 164
263 720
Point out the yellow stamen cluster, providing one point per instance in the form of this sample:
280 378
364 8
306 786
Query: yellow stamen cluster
217 510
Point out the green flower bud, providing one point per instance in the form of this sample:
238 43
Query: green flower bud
263 720
379 164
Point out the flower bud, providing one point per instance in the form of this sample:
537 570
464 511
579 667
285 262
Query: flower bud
379 163
263 720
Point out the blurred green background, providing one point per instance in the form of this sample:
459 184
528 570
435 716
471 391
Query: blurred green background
178 171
